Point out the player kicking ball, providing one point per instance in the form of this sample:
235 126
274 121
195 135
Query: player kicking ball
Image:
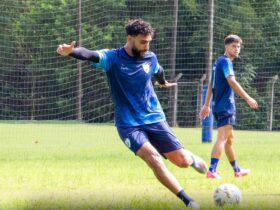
221 88
139 118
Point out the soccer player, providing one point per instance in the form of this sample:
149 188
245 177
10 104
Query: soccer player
139 117
221 88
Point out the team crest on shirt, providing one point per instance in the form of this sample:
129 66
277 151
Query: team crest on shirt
127 142
146 67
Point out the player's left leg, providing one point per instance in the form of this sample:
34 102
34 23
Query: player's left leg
229 150
164 140
230 153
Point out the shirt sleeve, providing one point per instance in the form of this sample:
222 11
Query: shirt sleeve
155 65
228 68
105 59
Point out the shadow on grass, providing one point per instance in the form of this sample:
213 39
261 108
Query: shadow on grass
125 201
85 204
44 204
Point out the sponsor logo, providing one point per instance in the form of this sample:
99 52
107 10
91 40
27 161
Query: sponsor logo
124 68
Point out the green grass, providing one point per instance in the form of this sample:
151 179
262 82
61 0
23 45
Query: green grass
82 166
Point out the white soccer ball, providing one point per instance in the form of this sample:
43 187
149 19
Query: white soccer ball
227 194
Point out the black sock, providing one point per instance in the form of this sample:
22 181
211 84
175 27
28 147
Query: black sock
184 197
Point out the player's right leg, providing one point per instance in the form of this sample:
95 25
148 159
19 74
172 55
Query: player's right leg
217 150
153 159
137 141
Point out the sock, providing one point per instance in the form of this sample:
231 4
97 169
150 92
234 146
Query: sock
235 166
184 197
213 164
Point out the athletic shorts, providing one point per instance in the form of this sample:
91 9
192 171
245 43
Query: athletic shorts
158 134
224 119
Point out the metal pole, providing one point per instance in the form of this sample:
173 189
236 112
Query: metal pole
210 39
32 97
207 123
274 79
173 64
199 98
79 64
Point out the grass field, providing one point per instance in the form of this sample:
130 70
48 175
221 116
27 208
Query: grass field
83 166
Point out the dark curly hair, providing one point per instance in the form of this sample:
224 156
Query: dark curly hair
139 26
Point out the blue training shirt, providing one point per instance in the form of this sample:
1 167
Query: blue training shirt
135 101
223 95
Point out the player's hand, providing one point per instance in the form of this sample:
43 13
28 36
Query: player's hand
65 49
204 112
252 103
166 85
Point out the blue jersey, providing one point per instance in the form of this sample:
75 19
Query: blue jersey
223 95
135 101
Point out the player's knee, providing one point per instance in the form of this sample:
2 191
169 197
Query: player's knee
154 160
230 141
180 158
183 161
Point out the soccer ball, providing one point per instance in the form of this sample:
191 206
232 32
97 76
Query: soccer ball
227 194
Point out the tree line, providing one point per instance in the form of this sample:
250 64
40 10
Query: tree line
37 84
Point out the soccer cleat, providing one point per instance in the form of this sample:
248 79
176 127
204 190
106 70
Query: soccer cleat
193 205
198 164
213 175
242 172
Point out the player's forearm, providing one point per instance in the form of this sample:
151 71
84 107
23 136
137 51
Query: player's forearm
239 90
208 95
160 77
82 53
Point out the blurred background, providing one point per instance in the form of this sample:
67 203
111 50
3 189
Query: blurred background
39 85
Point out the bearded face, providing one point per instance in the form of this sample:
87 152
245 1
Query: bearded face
140 45
138 53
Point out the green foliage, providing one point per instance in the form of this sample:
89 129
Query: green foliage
31 72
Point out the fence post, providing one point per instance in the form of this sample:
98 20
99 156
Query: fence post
207 123
79 64
175 103
173 93
270 103
199 98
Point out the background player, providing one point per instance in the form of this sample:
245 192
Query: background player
222 86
